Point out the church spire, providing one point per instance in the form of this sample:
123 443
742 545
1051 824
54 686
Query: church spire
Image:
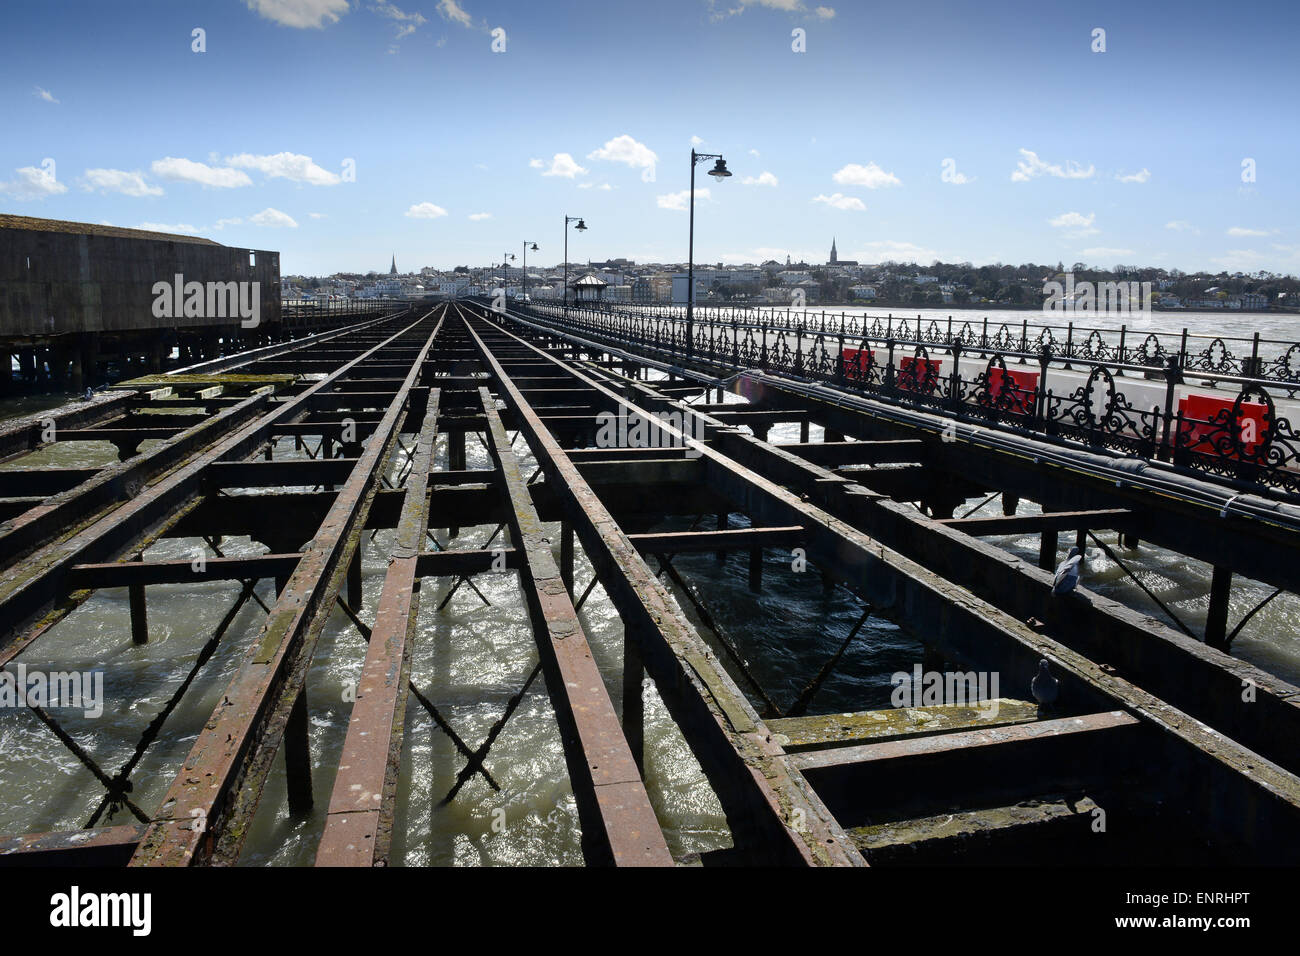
393 270
834 256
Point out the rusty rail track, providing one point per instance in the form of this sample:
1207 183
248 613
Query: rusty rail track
1150 746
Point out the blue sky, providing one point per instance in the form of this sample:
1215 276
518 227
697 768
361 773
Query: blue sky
1133 155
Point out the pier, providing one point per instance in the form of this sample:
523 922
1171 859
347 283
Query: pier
1160 745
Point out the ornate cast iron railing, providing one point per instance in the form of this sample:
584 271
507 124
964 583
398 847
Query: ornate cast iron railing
1006 378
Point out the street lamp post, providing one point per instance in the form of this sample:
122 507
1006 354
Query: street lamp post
525 278
581 227
718 172
505 276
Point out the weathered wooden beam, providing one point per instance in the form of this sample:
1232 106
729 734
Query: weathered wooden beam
359 821
619 824
833 454
101 847
846 730
734 539
223 776
1112 519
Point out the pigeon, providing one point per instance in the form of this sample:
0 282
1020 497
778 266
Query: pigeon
90 393
1067 574
1044 686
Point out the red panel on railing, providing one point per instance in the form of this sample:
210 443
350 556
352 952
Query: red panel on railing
914 377
1198 436
857 362
1019 387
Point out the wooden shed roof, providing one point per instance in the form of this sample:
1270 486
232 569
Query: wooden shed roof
88 228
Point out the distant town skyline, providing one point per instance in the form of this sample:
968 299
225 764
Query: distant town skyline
446 132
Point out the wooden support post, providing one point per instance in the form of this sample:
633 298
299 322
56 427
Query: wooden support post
941 508
75 377
1129 539
1047 551
832 435
1010 503
27 364
756 570
455 462
139 611
297 756
90 358
1216 622
931 659
1081 539
633 700
356 594
803 431
566 555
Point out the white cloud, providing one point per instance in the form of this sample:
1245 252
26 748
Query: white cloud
180 227
222 223
1076 223
425 210
625 149
454 12
316 215
188 171
603 187
1139 177
786 6
1241 231
1031 167
870 175
562 164
1182 225
300 13
273 218
696 141
679 201
762 179
44 94
480 216
118 181
754 153
292 166
841 201
33 182
1105 252
407 22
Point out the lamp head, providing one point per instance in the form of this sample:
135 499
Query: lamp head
581 226
534 247
720 170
